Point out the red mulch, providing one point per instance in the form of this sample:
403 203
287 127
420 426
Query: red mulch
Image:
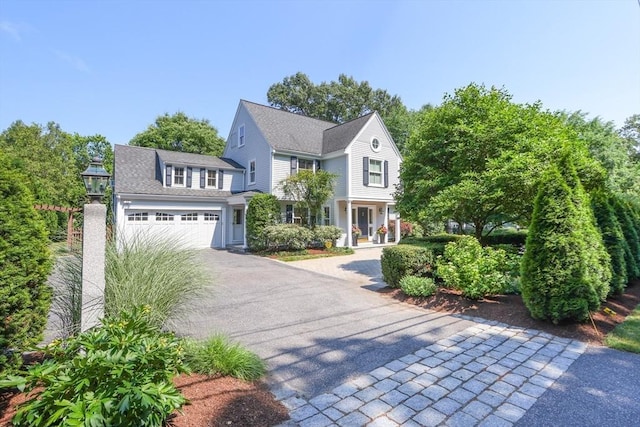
224 401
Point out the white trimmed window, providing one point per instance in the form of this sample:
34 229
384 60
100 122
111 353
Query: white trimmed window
375 145
163 217
138 216
212 178
305 164
178 176
252 172
208 216
241 136
375 172
193 216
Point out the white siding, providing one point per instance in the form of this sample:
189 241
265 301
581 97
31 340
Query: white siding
338 166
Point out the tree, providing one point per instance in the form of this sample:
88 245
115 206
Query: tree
629 230
630 131
309 190
24 266
181 133
341 101
263 210
557 282
478 157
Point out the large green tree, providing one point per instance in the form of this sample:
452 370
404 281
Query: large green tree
309 190
178 132
340 101
631 132
478 157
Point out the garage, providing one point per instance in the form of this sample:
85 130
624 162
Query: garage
193 229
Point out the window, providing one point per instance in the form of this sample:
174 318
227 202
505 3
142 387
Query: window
193 216
139 216
208 216
252 172
241 136
375 172
375 144
327 218
212 178
162 217
305 164
237 217
178 176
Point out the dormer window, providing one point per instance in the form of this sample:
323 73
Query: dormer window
241 136
212 178
178 176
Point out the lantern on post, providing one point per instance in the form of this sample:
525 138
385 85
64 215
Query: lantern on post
96 180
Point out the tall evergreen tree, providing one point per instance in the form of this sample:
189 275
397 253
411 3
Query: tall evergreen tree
613 238
629 230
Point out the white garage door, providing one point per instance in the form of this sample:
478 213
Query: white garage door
191 228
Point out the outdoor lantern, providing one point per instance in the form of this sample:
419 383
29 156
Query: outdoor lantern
96 180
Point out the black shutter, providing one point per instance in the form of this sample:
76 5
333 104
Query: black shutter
168 177
220 179
318 165
294 165
189 176
203 178
386 173
365 171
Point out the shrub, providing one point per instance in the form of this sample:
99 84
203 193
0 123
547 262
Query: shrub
217 355
613 240
415 286
473 270
443 238
24 266
632 249
325 233
406 229
405 260
154 272
556 280
263 210
287 237
506 237
118 374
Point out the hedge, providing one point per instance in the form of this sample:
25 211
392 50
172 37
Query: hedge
406 260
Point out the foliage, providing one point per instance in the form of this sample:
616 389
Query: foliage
178 132
66 305
341 101
506 237
632 250
325 233
405 260
382 229
24 267
216 355
630 131
290 256
263 210
117 374
287 237
613 240
626 336
415 286
406 228
478 157
52 161
154 272
472 269
309 190
356 230
442 238
557 280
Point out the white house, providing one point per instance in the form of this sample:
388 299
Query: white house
202 200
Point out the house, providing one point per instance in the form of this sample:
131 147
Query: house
203 199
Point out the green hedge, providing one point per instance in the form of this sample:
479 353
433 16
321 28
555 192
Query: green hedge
406 260
506 238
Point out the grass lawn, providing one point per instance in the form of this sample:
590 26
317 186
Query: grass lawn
309 254
626 336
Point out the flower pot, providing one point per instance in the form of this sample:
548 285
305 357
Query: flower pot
354 239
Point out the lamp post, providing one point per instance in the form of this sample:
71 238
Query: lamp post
94 238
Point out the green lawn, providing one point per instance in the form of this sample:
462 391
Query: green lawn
626 336
305 254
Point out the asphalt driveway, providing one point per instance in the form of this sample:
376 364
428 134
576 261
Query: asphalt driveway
315 331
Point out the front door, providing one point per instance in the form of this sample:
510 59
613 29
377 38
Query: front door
363 221
238 225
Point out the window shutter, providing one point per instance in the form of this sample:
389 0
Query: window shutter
318 165
386 173
294 165
220 179
189 176
365 171
203 178
168 177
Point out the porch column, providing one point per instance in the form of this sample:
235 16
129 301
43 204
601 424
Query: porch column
398 233
349 224
386 222
244 226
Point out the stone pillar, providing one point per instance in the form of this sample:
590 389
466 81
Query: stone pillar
94 239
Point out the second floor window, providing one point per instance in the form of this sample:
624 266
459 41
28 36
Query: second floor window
178 176
241 136
252 172
212 180
375 172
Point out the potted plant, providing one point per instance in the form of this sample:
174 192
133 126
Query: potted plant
355 233
382 232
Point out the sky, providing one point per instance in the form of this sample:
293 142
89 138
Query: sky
111 67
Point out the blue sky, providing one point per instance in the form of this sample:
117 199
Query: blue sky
111 67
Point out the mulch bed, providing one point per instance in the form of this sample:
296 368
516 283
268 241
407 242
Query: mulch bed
224 401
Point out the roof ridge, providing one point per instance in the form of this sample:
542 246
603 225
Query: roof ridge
288 112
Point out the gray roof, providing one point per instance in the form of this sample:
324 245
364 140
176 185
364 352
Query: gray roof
288 131
137 171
